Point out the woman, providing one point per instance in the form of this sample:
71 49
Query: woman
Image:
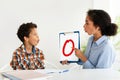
99 51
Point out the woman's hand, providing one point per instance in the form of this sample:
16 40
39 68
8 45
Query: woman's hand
80 55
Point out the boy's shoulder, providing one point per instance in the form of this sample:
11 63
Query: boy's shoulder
18 51
39 50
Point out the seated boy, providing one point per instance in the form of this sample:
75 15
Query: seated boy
27 56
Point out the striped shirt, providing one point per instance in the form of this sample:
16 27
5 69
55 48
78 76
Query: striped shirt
27 61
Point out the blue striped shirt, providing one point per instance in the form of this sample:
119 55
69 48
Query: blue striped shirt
100 53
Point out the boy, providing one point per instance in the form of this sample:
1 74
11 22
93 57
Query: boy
27 56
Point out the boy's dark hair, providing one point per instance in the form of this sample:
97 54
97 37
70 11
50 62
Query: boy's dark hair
102 19
24 30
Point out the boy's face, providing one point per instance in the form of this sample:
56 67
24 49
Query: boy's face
33 38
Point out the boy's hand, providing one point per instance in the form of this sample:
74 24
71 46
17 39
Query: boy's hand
64 62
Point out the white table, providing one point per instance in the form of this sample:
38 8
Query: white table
89 74
83 74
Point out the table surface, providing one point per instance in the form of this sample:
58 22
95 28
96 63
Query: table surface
81 74
89 74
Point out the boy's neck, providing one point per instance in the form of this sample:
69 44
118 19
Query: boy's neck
28 48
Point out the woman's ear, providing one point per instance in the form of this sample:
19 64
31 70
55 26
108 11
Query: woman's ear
98 28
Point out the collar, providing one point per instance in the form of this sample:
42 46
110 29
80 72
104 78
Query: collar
24 49
101 39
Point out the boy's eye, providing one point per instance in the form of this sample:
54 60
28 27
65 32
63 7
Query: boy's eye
86 23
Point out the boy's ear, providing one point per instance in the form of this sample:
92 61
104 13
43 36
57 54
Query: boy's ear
25 38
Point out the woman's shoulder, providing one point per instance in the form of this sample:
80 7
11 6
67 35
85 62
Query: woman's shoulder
109 44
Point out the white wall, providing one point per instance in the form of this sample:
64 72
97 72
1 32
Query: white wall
114 8
102 4
51 17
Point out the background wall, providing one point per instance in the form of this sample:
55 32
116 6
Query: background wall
102 4
51 17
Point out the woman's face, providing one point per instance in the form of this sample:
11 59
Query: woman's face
33 38
89 26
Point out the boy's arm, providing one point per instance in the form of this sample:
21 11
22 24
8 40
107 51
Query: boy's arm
15 62
42 59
